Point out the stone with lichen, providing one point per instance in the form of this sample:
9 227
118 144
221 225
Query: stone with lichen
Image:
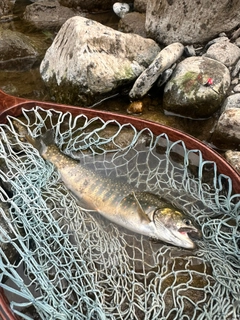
197 87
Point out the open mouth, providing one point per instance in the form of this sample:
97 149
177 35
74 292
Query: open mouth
193 233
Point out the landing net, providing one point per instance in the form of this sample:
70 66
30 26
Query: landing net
59 260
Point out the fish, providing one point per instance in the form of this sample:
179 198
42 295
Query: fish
139 211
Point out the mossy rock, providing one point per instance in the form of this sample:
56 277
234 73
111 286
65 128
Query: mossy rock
190 92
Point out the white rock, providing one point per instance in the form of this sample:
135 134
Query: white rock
167 57
121 9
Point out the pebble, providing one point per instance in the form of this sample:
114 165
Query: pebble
121 9
236 88
216 40
236 69
136 107
232 101
225 52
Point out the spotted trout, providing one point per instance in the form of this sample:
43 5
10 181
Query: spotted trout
142 212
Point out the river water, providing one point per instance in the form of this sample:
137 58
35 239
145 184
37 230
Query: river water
28 84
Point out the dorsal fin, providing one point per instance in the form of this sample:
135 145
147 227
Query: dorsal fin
143 216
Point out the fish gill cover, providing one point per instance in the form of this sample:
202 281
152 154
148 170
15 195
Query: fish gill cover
60 260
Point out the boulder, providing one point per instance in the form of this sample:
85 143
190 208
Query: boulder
197 87
48 14
88 61
167 57
17 51
188 21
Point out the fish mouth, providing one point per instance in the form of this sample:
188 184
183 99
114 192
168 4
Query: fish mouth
189 234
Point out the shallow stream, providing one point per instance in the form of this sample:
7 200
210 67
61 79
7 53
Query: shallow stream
28 84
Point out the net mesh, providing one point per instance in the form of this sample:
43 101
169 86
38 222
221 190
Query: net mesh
59 260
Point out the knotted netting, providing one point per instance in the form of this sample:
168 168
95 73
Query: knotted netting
60 260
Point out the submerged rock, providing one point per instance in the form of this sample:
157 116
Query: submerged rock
140 5
188 21
197 87
47 14
88 60
133 22
17 51
167 57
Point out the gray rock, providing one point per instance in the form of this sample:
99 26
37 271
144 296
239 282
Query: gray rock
133 22
232 101
225 52
140 5
236 69
216 40
6 6
187 93
228 126
48 14
88 60
167 57
188 21
233 157
17 51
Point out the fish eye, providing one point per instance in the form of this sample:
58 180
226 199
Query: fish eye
188 222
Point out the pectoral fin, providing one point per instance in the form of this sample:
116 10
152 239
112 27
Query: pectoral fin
143 216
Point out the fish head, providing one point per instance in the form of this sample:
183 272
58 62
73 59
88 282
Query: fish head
176 227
